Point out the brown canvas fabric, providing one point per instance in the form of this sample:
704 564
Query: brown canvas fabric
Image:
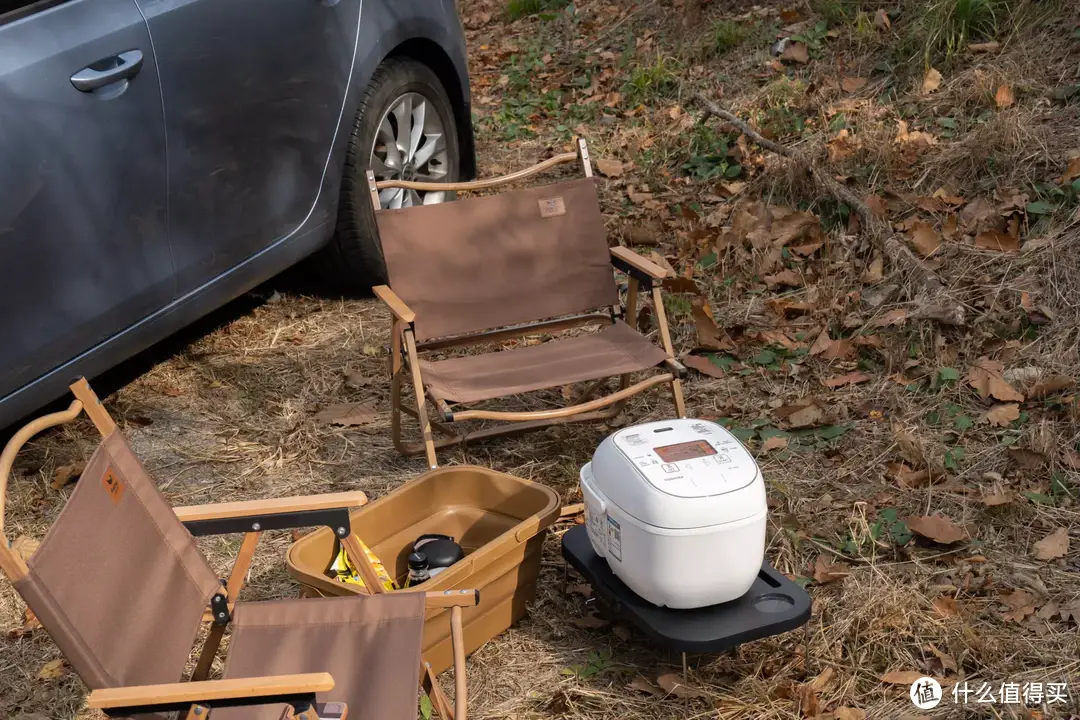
482 263
370 644
614 350
118 582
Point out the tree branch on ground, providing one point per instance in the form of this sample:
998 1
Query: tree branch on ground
932 300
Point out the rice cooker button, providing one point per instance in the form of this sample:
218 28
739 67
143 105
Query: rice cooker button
670 468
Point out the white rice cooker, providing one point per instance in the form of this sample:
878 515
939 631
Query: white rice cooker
678 509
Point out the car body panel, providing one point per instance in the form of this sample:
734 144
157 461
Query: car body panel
83 240
427 30
253 101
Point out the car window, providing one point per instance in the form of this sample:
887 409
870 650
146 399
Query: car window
12 10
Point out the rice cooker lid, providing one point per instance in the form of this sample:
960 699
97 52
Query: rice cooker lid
687 458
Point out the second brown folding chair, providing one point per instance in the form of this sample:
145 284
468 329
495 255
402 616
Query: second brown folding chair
485 270
121 587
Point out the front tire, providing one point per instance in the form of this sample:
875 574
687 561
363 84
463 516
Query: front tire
404 128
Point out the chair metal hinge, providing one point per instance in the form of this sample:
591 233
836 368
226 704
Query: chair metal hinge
219 607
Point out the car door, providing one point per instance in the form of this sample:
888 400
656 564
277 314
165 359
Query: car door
253 94
83 246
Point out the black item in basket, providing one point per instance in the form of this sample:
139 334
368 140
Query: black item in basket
773 605
441 550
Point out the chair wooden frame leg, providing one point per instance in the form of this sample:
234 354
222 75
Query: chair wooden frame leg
418 391
237 577
665 337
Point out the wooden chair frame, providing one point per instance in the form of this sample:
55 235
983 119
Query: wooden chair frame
643 275
251 518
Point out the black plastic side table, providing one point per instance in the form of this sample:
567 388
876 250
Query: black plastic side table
773 605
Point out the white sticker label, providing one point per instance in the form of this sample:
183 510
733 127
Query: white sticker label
614 538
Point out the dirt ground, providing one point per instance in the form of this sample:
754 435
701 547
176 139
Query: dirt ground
922 472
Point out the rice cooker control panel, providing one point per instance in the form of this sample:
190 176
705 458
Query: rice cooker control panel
687 458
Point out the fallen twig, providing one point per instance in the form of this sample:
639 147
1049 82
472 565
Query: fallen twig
933 301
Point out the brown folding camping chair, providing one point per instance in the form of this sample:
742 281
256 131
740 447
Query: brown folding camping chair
488 269
121 587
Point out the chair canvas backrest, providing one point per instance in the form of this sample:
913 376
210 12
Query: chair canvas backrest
496 261
118 582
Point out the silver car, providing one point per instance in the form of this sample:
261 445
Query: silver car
158 158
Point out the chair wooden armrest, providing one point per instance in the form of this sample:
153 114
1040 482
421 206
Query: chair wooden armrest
628 261
277 688
273 506
397 305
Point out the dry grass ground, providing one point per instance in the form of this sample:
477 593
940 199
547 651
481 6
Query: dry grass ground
233 415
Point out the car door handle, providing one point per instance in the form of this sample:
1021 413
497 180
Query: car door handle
109 70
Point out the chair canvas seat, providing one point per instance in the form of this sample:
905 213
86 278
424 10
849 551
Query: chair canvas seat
369 643
615 350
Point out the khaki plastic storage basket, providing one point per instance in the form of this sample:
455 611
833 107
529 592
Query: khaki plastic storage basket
499 520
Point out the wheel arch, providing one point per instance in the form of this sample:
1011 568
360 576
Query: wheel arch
435 58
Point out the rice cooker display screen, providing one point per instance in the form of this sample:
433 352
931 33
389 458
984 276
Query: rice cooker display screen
684 451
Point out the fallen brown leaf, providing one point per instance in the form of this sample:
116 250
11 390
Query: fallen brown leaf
1002 414
1027 459
1021 604
25 546
875 271
357 380
774 442
847 713
893 317
796 52
842 146
589 621
580 589
925 239
1049 386
938 528
609 168
642 685
784 278
639 235
51 670
907 477
65 474
358 413
985 377
1053 546
948 662
931 81
29 625
1072 171
827 572
997 240
1004 97
703 365
986 47
948 198
946 606
852 378
881 20
673 684
904 677
709 336
852 84
916 141
993 500
806 416
680 285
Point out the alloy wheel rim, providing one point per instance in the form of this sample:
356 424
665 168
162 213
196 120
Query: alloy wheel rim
410 144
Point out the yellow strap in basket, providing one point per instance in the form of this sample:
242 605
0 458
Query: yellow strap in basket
344 571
